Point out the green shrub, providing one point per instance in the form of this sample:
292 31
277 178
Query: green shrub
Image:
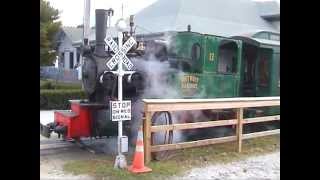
67 86
59 98
46 85
50 84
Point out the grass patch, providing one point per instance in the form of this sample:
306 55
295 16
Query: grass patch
104 168
180 162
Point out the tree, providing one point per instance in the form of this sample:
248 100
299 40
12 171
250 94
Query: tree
49 26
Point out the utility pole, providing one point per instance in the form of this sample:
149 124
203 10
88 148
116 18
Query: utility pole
86 22
86 34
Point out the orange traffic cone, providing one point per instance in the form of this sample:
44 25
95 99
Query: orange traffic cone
138 159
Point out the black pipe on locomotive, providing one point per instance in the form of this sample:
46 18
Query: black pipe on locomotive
98 81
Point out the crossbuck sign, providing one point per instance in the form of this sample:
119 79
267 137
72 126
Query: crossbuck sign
120 53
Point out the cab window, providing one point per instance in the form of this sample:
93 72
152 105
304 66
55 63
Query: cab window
195 52
227 57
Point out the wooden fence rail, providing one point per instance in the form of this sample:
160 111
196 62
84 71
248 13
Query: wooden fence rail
155 105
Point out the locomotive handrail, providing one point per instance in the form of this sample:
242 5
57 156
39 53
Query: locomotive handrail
155 105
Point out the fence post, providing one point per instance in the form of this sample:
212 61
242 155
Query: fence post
147 137
239 128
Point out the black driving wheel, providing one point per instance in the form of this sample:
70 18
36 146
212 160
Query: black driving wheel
89 75
163 137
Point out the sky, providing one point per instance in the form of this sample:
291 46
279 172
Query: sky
72 10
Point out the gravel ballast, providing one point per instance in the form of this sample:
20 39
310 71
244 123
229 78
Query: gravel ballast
259 167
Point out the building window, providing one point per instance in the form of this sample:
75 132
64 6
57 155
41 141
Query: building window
71 60
195 51
275 37
262 35
62 59
227 57
78 58
268 36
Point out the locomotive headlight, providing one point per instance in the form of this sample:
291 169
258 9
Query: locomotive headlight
136 79
141 46
107 79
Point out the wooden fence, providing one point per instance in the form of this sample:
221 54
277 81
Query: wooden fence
155 105
59 74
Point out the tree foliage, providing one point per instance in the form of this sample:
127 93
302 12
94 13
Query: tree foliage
49 26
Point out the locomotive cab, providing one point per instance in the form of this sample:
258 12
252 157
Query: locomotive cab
260 67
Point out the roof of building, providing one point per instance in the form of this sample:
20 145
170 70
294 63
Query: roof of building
217 17
73 33
268 8
252 33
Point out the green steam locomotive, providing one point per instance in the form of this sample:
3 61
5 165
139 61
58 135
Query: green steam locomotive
174 65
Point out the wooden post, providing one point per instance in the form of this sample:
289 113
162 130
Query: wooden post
147 137
239 128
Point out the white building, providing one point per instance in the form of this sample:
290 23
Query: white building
68 42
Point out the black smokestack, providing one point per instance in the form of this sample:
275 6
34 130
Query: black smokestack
101 22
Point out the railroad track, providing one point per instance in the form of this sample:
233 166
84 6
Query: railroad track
55 145
52 144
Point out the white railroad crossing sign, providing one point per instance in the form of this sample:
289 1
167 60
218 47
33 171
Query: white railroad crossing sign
120 53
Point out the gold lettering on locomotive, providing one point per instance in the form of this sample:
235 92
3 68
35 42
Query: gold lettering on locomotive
211 56
189 84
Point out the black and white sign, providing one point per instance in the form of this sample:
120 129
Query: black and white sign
120 54
120 110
